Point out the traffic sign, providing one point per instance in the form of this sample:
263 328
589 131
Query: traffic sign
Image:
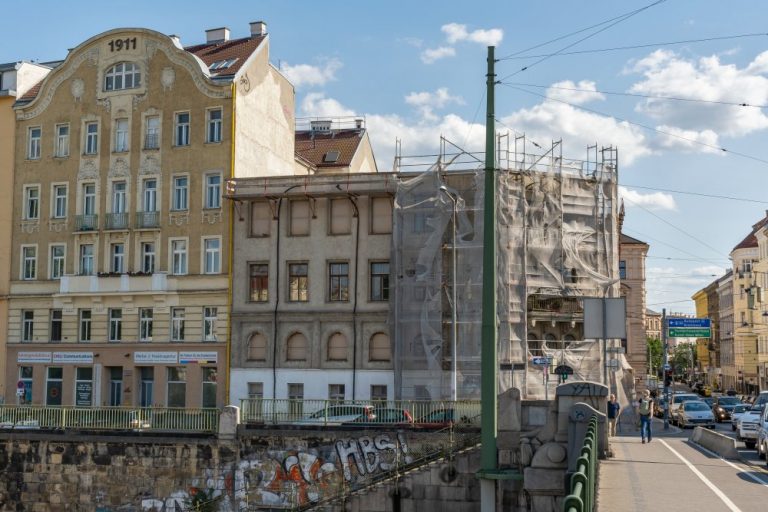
667 367
20 384
689 327
542 361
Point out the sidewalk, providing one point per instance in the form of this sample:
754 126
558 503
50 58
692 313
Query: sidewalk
670 474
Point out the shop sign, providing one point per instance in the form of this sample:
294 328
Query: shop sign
84 394
73 357
155 357
198 357
33 357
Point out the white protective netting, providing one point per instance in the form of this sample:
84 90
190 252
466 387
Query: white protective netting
557 241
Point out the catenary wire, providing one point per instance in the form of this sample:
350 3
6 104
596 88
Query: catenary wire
636 95
609 25
648 237
517 56
713 196
645 127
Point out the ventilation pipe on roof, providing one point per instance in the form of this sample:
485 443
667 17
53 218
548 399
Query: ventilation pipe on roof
217 35
258 28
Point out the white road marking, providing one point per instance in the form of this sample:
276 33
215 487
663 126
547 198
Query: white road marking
741 469
720 494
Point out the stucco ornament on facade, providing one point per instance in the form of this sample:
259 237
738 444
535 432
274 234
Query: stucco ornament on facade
119 169
167 78
149 166
77 88
88 170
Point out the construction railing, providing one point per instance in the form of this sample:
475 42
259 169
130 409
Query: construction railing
584 480
136 419
420 413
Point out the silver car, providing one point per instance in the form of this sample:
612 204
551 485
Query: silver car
695 413
747 427
738 412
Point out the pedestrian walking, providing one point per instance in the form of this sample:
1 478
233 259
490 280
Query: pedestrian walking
613 414
645 409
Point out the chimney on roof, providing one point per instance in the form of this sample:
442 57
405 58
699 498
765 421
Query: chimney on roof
258 28
359 123
217 35
320 126
176 40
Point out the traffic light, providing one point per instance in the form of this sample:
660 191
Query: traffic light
667 377
564 376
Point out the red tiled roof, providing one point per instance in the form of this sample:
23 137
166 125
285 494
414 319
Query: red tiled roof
313 146
751 239
239 49
209 53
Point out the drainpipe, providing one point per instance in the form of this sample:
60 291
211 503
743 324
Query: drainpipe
354 300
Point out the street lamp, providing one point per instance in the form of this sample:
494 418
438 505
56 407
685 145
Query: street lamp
454 200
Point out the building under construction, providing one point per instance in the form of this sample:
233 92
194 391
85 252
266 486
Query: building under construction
557 242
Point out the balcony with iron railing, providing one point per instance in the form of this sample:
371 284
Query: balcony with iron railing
152 141
145 220
116 221
88 222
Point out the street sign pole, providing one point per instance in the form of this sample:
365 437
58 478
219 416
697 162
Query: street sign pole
665 342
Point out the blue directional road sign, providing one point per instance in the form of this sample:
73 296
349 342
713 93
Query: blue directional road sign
542 361
689 327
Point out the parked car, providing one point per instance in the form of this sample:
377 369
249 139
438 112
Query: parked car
747 427
723 406
761 399
695 413
737 413
762 435
710 401
441 418
390 416
677 400
339 414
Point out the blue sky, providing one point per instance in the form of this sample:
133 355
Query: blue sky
416 71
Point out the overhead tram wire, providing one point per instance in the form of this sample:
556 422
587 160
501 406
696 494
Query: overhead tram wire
474 117
613 23
699 194
639 125
684 259
635 95
517 56
648 237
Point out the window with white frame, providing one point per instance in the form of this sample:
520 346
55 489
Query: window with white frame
119 197
179 257
89 199
124 75
213 191
59 201
57 261
33 142
31 202
29 262
148 257
178 318
121 135
212 247
180 193
214 125
298 282
117 258
115 324
149 203
152 134
255 390
338 282
146 319
336 392
84 327
27 325
62 141
182 129
86 260
177 386
379 281
91 138
209 323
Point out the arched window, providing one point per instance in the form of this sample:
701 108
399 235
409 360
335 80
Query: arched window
297 347
534 345
257 347
379 349
337 347
568 339
550 341
124 75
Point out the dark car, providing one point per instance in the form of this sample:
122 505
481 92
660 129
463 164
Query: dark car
723 407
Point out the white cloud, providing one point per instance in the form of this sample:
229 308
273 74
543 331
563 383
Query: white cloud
430 55
667 74
456 32
306 74
426 102
566 91
652 201
315 104
687 140
553 120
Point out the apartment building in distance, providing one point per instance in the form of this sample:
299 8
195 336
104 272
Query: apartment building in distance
708 349
120 255
761 304
311 273
16 78
728 375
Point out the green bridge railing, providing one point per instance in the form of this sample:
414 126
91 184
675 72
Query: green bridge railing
584 480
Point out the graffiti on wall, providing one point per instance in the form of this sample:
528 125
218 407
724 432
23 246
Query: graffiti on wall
298 477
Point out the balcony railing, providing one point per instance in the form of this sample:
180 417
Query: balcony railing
86 222
147 220
565 305
116 221
151 141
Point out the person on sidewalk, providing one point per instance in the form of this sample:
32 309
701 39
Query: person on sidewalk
613 415
645 409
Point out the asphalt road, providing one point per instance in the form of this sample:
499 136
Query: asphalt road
670 473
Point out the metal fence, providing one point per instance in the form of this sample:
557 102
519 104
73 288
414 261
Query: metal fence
421 413
584 481
157 419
